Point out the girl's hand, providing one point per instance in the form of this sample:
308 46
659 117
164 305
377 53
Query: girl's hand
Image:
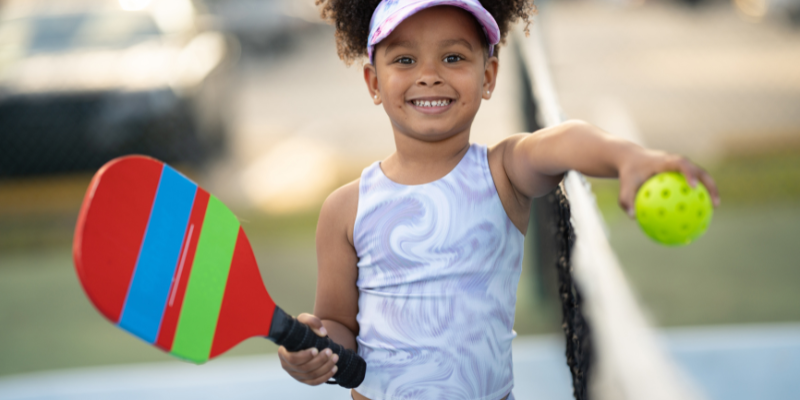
638 168
310 366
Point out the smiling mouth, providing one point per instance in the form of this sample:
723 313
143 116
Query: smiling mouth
431 103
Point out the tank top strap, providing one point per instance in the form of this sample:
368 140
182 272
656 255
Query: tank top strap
475 168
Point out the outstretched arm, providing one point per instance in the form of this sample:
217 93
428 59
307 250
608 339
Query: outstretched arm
535 163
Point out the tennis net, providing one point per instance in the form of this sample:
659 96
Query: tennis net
611 350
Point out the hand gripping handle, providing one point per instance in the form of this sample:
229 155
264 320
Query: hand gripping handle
288 332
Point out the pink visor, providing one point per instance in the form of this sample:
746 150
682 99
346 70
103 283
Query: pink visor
390 13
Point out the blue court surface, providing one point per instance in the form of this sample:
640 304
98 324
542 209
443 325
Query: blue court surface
727 363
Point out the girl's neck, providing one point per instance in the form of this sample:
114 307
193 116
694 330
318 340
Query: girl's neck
417 162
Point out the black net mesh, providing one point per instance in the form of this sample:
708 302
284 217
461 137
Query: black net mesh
576 330
555 237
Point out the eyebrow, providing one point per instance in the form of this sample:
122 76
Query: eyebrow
443 43
450 42
404 43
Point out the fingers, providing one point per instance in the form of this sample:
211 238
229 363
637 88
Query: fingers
309 366
689 171
314 323
324 378
304 369
711 186
627 197
294 361
320 373
694 173
632 179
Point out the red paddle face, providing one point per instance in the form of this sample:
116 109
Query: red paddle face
166 261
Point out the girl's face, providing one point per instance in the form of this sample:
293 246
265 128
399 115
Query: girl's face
431 74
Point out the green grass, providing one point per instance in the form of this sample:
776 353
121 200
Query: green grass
745 268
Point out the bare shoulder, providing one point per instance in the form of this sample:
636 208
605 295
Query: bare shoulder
516 204
343 197
505 145
340 208
337 270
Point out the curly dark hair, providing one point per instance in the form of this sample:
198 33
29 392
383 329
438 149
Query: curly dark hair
351 20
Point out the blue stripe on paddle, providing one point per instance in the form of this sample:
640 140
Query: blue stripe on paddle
158 256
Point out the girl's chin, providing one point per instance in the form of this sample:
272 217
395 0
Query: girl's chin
432 134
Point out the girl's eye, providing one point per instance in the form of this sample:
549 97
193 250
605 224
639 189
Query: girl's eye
405 60
452 58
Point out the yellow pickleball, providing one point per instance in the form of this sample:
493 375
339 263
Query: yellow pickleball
670 211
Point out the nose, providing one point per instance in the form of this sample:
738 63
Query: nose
429 75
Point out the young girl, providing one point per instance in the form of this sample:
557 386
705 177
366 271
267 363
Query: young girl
419 260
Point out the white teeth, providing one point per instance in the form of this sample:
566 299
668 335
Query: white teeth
428 103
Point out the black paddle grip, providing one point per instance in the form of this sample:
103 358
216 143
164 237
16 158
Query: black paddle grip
288 332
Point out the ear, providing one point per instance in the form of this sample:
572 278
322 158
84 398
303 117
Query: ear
490 77
371 79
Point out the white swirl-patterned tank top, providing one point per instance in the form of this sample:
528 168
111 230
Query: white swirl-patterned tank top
438 269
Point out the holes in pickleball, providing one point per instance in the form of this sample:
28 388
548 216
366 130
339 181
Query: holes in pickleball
681 207
662 212
646 194
661 179
699 213
685 227
665 193
685 189
701 196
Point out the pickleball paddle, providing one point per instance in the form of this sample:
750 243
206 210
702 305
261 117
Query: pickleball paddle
166 261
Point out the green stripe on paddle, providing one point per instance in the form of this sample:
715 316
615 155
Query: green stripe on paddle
206 287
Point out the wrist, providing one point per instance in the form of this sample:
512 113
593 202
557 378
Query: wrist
631 157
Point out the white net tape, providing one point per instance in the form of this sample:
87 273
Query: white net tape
630 363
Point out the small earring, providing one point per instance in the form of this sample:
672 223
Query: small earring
376 97
487 92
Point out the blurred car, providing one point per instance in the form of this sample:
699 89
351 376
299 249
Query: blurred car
85 81
782 10
264 26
